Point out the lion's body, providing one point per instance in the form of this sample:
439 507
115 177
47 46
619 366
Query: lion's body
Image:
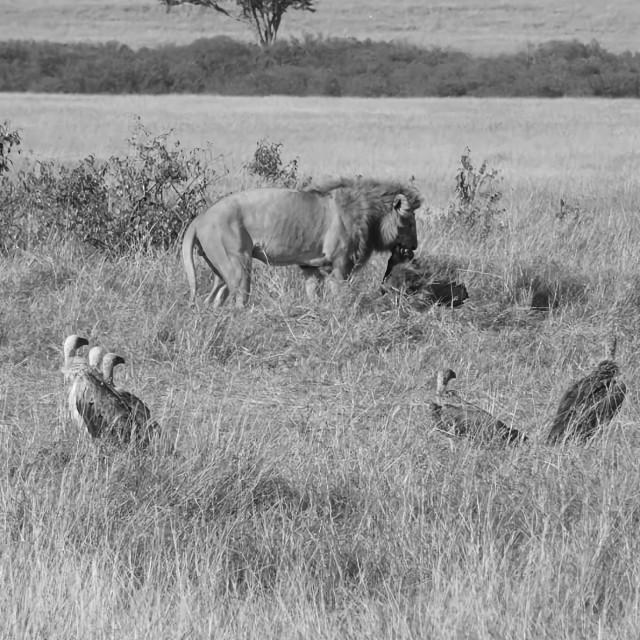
332 229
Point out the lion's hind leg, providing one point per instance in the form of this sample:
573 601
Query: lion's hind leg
240 278
239 253
219 292
224 278
231 263
219 289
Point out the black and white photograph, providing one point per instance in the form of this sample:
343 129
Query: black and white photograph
319 319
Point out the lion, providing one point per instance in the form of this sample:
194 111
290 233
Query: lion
327 231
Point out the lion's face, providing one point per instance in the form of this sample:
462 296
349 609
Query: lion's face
398 233
407 239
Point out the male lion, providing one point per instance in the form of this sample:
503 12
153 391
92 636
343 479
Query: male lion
324 230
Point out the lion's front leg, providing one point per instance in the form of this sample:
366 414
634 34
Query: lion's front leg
342 269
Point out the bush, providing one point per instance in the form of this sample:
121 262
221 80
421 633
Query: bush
143 200
268 164
8 140
477 195
317 66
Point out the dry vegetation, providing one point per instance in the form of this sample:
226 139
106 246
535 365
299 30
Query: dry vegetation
489 28
300 489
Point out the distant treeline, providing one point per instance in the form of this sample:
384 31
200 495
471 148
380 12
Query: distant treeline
317 66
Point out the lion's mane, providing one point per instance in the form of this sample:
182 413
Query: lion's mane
365 205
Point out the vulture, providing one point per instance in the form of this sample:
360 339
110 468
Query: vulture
589 404
418 282
70 349
461 418
95 360
97 406
136 406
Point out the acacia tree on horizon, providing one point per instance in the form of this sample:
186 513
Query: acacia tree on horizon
264 16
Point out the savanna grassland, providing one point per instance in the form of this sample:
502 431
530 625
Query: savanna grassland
300 488
482 28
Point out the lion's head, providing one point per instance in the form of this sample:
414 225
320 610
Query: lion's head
377 215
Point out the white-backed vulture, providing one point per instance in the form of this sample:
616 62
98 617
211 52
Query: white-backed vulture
97 406
461 418
590 403
136 405
71 358
71 346
95 360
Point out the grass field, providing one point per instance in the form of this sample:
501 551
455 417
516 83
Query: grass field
486 27
575 146
300 488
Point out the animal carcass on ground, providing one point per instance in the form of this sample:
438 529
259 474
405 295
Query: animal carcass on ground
411 277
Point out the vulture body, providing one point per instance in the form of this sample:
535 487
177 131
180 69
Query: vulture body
461 418
136 406
97 406
589 404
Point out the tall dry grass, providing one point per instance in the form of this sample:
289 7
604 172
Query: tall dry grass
299 488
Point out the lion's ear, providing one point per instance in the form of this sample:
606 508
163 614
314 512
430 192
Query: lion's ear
400 205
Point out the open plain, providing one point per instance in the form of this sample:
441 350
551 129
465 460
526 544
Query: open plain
487 27
572 145
300 488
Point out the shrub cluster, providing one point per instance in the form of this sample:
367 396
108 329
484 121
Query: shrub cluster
268 164
477 196
8 140
140 201
317 66
119 205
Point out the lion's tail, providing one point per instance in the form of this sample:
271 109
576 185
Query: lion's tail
188 242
